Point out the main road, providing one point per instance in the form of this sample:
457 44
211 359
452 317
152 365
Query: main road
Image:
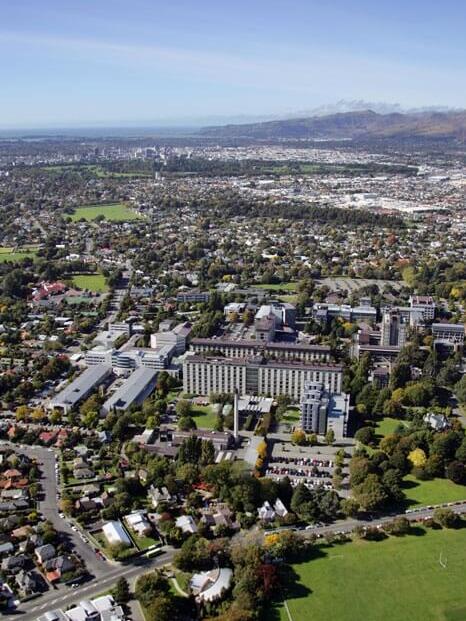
106 573
29 611
103 573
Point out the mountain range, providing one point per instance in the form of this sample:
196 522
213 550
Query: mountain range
361 124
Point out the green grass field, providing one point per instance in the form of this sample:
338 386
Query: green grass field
291 416
433 492
204 416
398 579
284 286
6 254
387 426
113 212
144 542
91 282
292 298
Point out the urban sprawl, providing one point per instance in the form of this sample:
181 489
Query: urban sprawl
213 358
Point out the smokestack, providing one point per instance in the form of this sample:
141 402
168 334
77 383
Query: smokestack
235 415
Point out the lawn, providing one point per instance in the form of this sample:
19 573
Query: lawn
204 416
283 286
91 282
291 416
433 492
291 299
397 579
114 212
387 426
144 542
7 254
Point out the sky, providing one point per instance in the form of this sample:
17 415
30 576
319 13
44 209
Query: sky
77 62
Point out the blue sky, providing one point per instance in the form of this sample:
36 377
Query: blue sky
65 62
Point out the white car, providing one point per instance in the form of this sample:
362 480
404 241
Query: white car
61 515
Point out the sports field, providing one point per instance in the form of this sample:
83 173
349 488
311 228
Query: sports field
6 253
91 282
113 212
415 578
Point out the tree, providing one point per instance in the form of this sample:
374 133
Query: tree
460 390
298 437
262 449
330 437
365 435
183 408
456 472
162 608
359 468
370 494
389 443
398 526
185 423
66 505
149 586
445 517
22 412
418 458
121 591
350 507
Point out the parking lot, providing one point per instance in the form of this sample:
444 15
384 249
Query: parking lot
312 465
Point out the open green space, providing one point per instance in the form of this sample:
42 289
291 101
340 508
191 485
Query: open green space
113 212
91 282
17 254
283 286
183 578
392 580
291 299
204 416
291 416
144 542
432 492
388 425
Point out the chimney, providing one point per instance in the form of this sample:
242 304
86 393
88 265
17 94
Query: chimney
235 415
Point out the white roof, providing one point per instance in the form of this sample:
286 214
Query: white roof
103 603
212 584
186 523
115 533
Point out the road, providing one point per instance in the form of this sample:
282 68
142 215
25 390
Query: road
347 526
104 573
51 600
48 506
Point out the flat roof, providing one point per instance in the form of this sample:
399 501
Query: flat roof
258 344
78 389
260 362
130 390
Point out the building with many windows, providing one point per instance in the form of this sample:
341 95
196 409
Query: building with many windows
448 335
425 304
393 331
256 376
243 348
322 410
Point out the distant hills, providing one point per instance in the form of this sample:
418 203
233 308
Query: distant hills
362 124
